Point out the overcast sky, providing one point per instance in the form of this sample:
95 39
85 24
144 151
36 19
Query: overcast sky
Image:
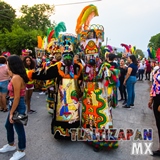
125 21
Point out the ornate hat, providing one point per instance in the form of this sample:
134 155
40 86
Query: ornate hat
25 52
67 43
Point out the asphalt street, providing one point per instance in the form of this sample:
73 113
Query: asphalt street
41 144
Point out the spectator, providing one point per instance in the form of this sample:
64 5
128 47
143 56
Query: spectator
155 100
141 70
130 81
111 58
122 88
148 70
29 65
4 80
16 89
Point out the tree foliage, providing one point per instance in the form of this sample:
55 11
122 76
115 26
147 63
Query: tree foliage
7 16
18 39
36 17
154 42
140 53
21 33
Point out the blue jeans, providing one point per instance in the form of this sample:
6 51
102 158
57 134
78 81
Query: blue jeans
3 86
130 89
21 108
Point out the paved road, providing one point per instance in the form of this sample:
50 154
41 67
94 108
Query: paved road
42 146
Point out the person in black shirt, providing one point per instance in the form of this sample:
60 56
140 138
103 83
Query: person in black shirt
130 80
122 88
111 58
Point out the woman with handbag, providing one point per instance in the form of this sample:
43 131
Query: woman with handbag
16 104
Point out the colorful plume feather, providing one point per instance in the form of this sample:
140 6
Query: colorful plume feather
48 32
50 35
39 38
158 54
125 46
59 28
85 17
151 53
43 42
133 49
110 48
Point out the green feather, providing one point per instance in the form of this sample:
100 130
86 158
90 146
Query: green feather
153 53
59 28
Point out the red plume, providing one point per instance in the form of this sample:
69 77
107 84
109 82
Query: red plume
50 35
125 46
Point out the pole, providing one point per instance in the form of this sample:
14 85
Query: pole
77 3
106 41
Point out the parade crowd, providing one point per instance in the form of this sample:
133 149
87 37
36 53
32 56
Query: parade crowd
81 85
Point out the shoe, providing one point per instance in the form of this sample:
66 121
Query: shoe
120 99
124 102
32 111
125 106
156 153
132 105
96 149
5 110
1 109
41 93
17 155
7 148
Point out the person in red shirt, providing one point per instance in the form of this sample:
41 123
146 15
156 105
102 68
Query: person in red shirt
148 70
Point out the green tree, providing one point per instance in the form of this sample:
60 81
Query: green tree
36 17
7 16
18 39
154 42
119 54
140 53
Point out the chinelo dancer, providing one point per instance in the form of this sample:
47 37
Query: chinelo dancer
66 74
55 56
99 79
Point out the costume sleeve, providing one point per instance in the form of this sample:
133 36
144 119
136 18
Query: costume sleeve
155 89
81 77
50 73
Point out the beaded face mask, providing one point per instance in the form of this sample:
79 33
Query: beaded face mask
90 41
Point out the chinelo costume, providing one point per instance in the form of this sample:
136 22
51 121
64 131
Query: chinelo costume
98 81
55 56
66 75
40 63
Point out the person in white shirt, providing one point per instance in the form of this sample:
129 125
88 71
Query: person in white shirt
141 70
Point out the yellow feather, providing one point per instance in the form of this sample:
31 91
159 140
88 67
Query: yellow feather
88 12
